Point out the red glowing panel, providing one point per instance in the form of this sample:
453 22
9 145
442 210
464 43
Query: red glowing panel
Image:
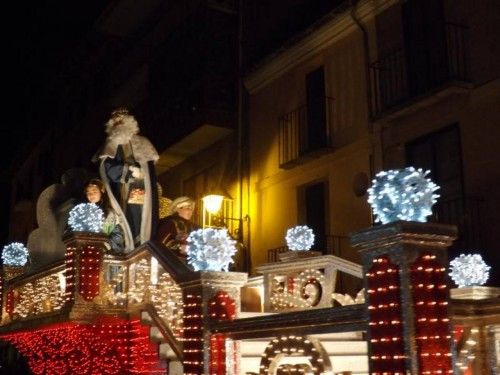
385 318
111 346
90 261
432 329
220 307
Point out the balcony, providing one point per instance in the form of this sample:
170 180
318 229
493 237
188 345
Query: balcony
335 245
304 133
397 79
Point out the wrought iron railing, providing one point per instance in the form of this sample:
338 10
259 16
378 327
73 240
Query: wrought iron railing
391 84
298 137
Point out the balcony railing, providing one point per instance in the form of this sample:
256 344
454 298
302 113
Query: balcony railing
335 245
305 132
391 81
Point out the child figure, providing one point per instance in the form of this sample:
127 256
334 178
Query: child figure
96 193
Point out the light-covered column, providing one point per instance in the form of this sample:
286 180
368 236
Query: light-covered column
404 266
210 296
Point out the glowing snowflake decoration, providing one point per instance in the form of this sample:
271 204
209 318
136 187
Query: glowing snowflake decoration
86 217
402 194
468 270
299 238
210 249
14 254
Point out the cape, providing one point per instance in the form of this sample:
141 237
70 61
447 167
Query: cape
146 155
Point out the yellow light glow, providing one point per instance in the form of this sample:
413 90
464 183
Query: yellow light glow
212 203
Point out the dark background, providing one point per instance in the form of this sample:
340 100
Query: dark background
38 37
42 39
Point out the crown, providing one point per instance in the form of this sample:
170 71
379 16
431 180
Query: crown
119 112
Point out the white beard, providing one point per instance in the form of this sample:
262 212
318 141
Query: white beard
122 129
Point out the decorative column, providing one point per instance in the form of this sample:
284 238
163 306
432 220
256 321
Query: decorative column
406 291
476 322
83 260
210 296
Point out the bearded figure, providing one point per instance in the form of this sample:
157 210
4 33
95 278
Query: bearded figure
126 165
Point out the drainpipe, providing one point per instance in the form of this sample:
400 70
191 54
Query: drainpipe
366 48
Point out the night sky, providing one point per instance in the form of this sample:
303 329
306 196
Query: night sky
38 36
41 37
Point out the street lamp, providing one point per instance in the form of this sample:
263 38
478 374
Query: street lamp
218 209
212 203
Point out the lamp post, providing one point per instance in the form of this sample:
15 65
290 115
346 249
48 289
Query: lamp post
213 205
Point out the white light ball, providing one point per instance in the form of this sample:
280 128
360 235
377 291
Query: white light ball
86 217
210 249
299 238
469 270
402 194
14 254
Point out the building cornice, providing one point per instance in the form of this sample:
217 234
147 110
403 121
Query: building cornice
312 43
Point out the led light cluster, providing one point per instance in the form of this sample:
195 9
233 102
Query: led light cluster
346 299
402 194
10 303
222 307
166 296
193 335
113 288
432 330
15 254
468 270
69 273
292 346
86 217
384 308
466 353
90 267
138 289
110 346
301 291
39 296
299 238
210 249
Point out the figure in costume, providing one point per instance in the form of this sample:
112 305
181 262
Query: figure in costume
174 229
126 166
96 193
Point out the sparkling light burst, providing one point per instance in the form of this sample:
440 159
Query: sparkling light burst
468 270
299 238
210 249
86 217
402 194
14 254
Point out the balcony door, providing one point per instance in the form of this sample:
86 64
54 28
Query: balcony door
440 152
316 132
313 201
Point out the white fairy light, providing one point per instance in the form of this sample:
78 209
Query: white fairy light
14 254
402 194
468 270
299 238
86 217
210 249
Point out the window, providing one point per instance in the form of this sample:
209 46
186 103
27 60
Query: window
313 201
316 134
